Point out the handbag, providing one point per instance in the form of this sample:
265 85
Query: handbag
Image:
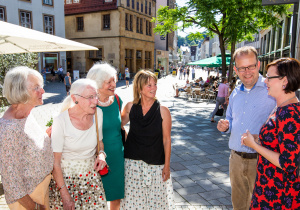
104 170
220 111
123 132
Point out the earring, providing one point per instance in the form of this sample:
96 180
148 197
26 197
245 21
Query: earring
76 102
283 86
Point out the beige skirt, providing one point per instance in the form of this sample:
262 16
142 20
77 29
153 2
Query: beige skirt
40 195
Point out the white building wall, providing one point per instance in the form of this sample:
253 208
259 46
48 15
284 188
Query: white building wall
37 10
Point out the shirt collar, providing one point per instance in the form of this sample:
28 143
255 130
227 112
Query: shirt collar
259 83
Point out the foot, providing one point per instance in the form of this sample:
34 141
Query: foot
212 120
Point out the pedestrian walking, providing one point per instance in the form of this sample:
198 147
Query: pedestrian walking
67 82
184 72
249 107
221 98
193 73
127 76
188 73
147 149
60 73
44 73
53 74
278 141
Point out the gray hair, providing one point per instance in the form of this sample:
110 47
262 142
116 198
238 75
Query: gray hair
15 87
77 88
101 72
246 50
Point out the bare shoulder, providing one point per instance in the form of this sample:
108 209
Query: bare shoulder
128 106
165 112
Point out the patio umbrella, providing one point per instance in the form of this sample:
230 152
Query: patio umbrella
18 39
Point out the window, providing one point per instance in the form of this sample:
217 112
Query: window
128 3
126 22
148 27
96 54
130 23
48 2
146 7
137 25
106 21
147 59
48 24
25 19
129 58
2 14
141 25
149 8
132 4
71 1
80 24
142 7
138 6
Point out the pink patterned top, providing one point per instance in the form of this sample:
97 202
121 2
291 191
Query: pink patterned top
26 156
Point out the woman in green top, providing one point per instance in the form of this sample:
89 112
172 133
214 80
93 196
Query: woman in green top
113 182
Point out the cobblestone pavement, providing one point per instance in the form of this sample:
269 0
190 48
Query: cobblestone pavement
200 153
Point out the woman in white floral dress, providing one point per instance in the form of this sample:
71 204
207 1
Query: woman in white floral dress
77 183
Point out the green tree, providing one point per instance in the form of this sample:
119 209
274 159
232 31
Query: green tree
8 61
232 20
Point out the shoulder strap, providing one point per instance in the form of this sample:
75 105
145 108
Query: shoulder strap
118 100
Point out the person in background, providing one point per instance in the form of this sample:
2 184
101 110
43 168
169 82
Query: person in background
60 73
184 72
188 73
249 107
183 89
113 183
127 76
77 160
53 74
26 158
277 181
44 73
193 72
67 82
220 100
180 72
148 148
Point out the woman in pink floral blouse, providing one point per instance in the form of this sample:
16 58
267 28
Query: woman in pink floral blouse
26 158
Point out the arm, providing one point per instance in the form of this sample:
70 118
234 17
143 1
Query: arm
70 81
100 161
166 126
65 81
125 113
58 177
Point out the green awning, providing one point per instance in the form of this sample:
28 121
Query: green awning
215 61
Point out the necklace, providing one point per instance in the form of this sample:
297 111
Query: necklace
106 103
273 111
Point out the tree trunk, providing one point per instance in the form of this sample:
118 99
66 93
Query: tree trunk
231 61
223 54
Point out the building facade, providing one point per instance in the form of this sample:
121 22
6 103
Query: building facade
121 29
40 15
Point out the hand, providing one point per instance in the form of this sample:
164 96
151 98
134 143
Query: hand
166 173
248 140
68 203
49 131
223 125
100 162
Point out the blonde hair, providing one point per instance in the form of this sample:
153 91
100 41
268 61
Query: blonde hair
140 80
101 72
15 87
77 87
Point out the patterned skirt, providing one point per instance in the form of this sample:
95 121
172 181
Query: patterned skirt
83 183
145 188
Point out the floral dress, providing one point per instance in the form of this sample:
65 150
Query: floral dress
277 188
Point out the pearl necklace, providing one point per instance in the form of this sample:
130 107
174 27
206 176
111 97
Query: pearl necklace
106 103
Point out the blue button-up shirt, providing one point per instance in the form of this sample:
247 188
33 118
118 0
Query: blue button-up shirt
248 110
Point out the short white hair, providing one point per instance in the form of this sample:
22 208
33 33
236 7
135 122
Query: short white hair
101 72
77 87
15 87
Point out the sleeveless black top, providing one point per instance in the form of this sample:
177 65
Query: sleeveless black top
145 138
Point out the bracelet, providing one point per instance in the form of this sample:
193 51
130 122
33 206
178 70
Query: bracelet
37 206
61 187
102 151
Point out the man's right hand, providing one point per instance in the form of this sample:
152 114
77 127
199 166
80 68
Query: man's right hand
223 125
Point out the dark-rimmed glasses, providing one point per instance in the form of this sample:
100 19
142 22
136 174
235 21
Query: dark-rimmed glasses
243 69
273 77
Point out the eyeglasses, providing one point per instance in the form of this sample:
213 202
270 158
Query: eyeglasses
268 78
38 88
243 69
91 97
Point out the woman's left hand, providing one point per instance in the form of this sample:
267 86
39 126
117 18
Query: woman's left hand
100 162
248 140
49 131
166 173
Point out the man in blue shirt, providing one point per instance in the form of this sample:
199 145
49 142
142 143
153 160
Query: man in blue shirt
249 107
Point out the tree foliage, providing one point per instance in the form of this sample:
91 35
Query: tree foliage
232 20
8 61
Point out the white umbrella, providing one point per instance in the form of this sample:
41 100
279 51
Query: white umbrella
18 39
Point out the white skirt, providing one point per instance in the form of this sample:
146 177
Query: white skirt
145 188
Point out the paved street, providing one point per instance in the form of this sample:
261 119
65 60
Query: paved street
199 161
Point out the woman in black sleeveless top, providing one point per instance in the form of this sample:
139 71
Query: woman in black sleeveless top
147 149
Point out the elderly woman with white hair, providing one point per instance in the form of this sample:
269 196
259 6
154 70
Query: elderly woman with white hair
77 183
110 104
26 158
